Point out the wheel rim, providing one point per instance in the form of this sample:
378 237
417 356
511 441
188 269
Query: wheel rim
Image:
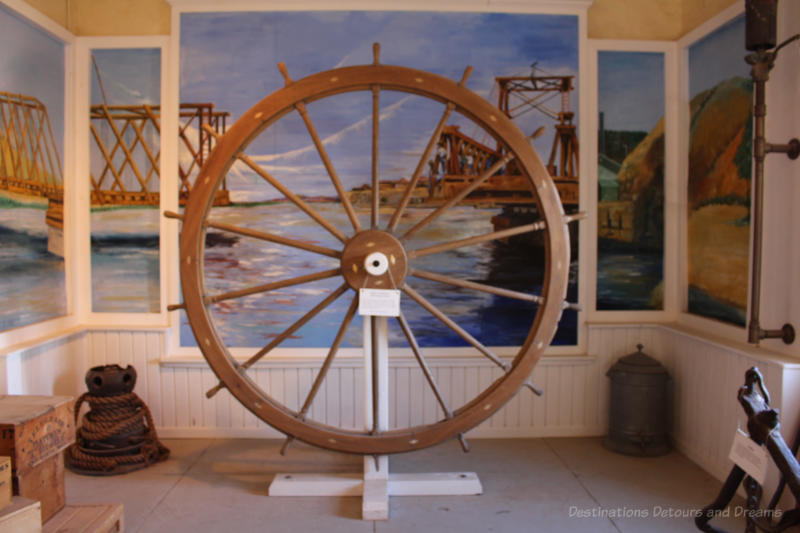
294 96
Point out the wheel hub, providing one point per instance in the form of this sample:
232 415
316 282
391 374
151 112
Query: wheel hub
374 259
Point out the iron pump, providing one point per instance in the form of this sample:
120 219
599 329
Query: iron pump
761 38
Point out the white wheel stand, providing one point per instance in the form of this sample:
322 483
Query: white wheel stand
375 484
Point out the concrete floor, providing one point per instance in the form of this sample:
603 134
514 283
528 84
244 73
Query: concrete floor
548 485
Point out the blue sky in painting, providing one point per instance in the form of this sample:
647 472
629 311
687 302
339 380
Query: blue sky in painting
130 76
630 87
718 56
32 63
230 59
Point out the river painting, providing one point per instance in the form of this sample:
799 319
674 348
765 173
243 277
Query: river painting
720 168
310 42
255 320
630 245
32 278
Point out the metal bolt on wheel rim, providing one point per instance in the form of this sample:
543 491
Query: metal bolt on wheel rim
358 242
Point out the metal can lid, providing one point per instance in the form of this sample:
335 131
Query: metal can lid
637 363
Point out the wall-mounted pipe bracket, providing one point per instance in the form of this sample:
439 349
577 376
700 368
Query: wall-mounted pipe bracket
792 149
756 334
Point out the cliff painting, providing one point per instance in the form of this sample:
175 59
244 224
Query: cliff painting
630 246
719 200
720 163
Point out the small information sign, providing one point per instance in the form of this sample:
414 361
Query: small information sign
750 457
378 302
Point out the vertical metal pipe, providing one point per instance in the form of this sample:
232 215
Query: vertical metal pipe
759 112
762 62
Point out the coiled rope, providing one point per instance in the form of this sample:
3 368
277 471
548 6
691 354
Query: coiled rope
110 417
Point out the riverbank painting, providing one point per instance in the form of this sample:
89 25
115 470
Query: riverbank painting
32 279
310 42
720 168
630 246
124 155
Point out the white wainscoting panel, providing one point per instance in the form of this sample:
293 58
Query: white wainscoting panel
575 400
54 367
706 374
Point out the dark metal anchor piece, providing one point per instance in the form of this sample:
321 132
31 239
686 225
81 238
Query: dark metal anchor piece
764 429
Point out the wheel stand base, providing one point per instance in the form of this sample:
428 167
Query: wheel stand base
375 492
375 484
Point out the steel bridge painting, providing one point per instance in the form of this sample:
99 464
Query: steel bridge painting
29 161
125 167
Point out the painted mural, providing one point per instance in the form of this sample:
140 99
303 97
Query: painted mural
497 46
124 143
630 210
720 166
32 279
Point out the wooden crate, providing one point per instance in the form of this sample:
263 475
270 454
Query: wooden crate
34 431
45 483
99 518
5 481
34 428
21 516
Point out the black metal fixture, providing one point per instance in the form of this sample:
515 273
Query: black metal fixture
761 38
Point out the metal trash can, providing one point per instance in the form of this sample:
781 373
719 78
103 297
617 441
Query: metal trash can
638 413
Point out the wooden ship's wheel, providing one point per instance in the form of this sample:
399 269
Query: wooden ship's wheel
388 244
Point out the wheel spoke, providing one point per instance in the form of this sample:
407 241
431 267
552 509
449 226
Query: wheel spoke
271 237
323 154
323 371
296 200
412 341
299 280
432 309
376 119
493 236
464 284
477 182
283 336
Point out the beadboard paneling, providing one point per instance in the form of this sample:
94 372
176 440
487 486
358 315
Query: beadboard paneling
705 376
55 367
575 400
